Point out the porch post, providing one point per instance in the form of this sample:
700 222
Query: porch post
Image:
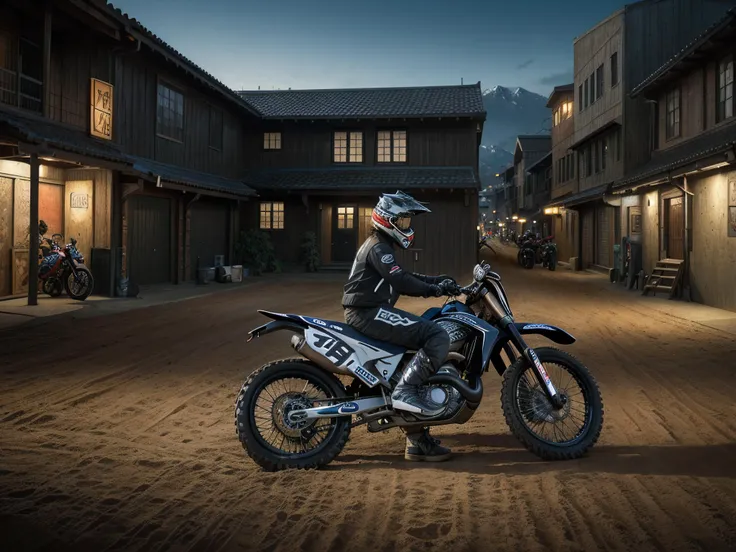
33 238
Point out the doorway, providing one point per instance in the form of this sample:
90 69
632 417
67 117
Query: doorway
344 234
675 227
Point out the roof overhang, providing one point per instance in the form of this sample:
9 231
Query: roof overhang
558 92
717 38
614 123
541 163
580 198
369 117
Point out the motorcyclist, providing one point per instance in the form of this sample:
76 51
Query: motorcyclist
375 283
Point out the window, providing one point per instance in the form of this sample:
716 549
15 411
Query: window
571 166
345 216
562 112
597 155
272 215
614 69
271 140
604 152
170 113
599 81
580 97
592 88
588 160
215 134
21 63
391 146
673 114
725 89
348 147
587 91
618 144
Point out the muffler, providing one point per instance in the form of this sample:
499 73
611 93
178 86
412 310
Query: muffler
302 347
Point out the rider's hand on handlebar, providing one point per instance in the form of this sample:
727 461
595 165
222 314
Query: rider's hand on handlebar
448 287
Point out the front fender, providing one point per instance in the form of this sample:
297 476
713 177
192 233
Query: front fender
553 333
275 326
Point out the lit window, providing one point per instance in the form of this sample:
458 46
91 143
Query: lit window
348 147
391 146
345 218
272 140
272 216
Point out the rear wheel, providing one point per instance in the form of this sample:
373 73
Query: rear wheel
268 437
549 433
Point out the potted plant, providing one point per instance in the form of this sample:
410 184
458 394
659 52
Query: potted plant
256 252
310 252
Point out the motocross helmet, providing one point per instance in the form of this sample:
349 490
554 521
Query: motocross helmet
392 216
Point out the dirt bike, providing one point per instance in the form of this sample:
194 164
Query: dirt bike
62 268
306 424
548 253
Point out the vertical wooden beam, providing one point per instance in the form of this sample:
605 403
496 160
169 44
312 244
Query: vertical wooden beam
33 238
47 27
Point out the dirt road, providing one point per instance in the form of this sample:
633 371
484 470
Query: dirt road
116 433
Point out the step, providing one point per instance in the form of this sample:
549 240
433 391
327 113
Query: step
664 276
656 287
676 262
663 269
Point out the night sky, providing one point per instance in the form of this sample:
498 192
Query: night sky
328 44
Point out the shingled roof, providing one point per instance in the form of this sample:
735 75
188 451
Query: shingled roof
535 142
375 103
364 178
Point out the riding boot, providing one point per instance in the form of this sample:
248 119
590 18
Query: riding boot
407 394
422 447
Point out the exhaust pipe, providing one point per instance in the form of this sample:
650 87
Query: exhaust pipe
302 347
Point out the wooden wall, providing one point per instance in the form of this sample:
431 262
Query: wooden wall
309 144
563 136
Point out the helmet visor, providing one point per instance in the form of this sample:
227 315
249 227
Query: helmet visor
403 223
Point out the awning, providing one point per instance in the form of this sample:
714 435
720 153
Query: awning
194 180
591 194
364 178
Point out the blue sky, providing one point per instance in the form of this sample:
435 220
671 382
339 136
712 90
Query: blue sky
329 44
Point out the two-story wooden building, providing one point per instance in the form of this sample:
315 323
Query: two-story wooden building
111 136
682 203
613 134
324 156
530 150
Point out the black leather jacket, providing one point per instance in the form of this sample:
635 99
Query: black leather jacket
377 279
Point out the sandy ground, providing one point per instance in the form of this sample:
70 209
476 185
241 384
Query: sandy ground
117 434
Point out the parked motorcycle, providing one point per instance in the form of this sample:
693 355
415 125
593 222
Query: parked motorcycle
62 268
296 413
528 251
548 253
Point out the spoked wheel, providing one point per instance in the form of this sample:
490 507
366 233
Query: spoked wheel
79 287
267 434
550 433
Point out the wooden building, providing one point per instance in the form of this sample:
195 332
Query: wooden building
613 135
324 156
111 136
681 204
538 186
530 149
564 171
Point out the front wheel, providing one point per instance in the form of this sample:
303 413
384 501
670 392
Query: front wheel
552 434
552 260
268 437
79 287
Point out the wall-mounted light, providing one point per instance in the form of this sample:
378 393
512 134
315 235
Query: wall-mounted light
552 211
514 217
522 221
534 222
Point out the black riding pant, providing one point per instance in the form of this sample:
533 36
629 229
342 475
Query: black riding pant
403 329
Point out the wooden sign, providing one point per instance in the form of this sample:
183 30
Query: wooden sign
101 109
79 201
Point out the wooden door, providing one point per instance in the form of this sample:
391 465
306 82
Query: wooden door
675 228
344 234
209 233
364 223
149 240
603 242
51 207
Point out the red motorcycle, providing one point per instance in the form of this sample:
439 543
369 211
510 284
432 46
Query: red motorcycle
62 268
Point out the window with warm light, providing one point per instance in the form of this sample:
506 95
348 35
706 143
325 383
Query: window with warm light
391 146
170 113
271 140
672 127
725 88
348 147
345 218
272 215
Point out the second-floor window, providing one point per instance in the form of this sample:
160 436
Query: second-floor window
599 82
563 111
587 93
21 72
272 215
272 140
170 113
580 97
725 89
348 147
592 88
672 125
391 146
614 69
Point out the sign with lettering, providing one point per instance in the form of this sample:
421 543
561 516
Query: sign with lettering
79 201
101 109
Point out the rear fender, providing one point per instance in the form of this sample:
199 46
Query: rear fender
281 322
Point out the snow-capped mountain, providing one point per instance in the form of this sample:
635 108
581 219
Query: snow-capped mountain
510 111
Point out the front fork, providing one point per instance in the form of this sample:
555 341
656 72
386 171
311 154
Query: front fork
531 357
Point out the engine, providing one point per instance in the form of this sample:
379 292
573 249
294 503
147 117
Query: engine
446 395
457 332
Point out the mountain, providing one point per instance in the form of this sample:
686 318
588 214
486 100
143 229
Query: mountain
510 112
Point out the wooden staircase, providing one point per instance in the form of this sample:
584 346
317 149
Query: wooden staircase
666 276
